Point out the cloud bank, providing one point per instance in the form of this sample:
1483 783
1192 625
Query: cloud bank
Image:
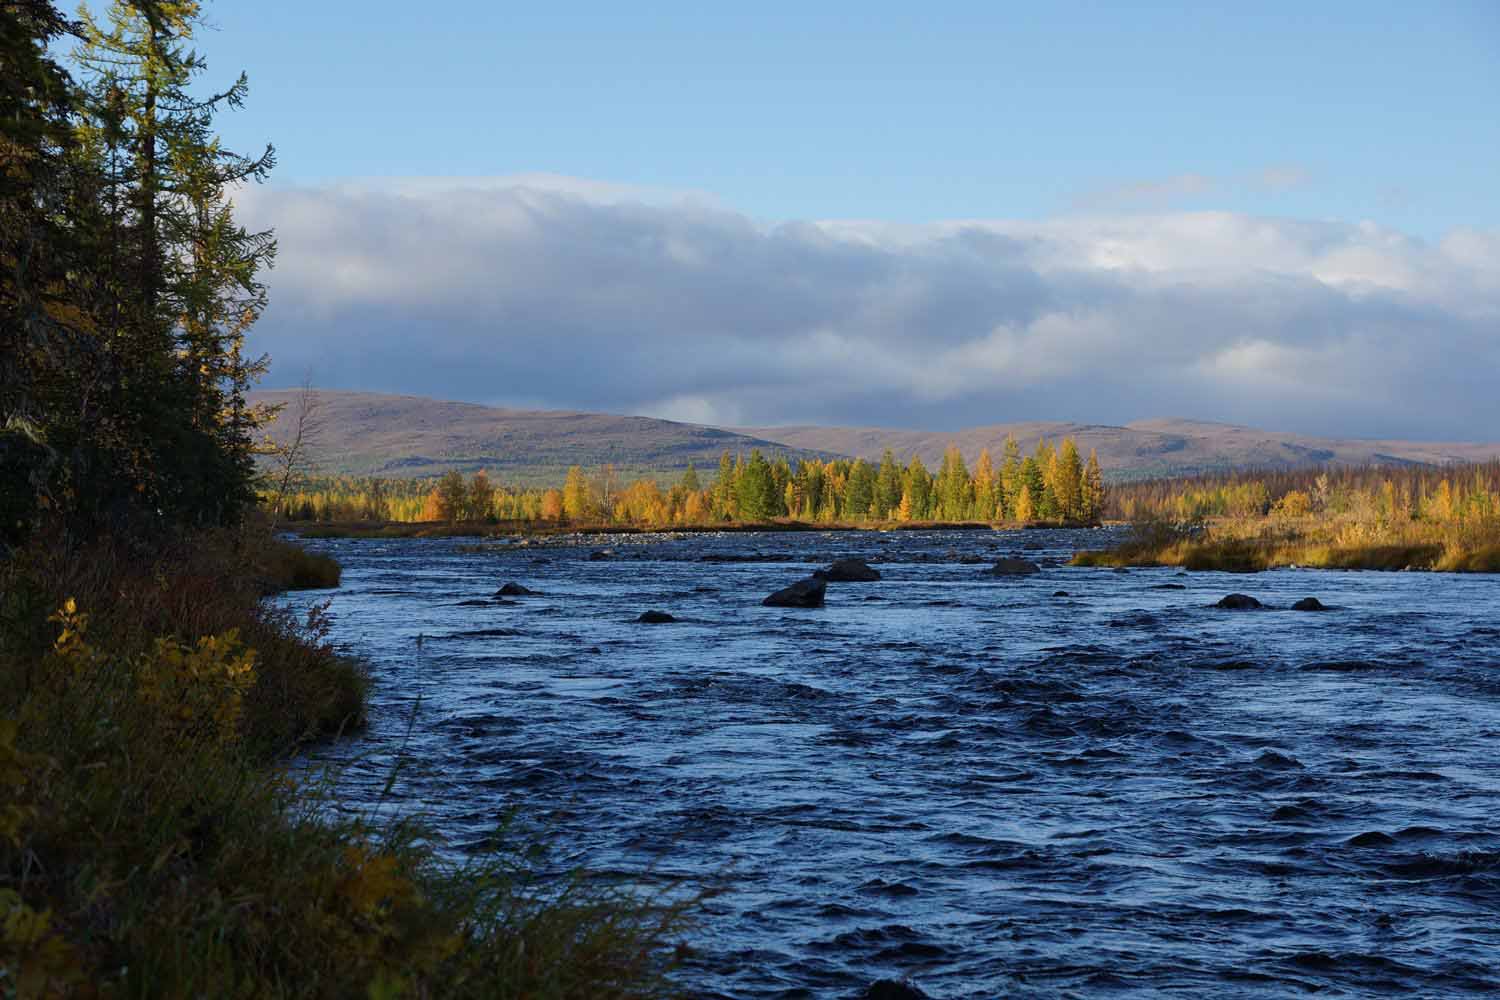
570 294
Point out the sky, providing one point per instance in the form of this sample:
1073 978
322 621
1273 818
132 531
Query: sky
890 214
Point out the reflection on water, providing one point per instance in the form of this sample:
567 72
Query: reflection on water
961 778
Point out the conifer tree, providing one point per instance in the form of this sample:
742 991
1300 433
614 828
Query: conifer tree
1025 508
953 488
1093 488
1031 481
1044 496
918 483
577 502
888 486
1068 482
689 481
781 475
41 337
986 488
178 276
861 495
903 510
755 489
814 482
1010 475
723 492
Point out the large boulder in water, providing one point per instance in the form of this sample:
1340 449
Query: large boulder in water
806 593
850 571
1014 567
655 618
892 989
1309 604
1238 602
516 590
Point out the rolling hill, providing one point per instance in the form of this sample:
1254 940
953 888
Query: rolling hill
372 434
364 433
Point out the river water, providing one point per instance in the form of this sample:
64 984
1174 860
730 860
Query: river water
957 779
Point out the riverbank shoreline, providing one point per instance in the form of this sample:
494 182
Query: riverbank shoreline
536 529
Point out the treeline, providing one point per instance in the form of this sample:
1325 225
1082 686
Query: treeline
1378 517
1052 484
1445 494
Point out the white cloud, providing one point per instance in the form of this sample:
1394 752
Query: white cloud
575 294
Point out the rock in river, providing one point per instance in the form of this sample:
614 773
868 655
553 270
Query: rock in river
806 593
1309 604
893 989
1238 602
654 618
851 571
516 590
1014 567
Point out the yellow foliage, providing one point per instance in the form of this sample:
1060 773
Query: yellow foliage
71 647
199 688
372 909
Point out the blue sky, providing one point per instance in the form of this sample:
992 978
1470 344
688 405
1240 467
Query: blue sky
1282 215
1382 111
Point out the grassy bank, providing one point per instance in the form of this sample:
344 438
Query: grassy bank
1248 545
153 844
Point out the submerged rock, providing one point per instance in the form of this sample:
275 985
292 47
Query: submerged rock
1169 586
516 590
598 555
806 593
1309 604
850 571
1060 593
893 989
1014 567
1238 602
654 618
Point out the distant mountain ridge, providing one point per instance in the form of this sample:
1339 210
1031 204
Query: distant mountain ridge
364 433
1138 450
377 434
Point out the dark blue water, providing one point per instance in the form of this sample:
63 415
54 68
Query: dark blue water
961 779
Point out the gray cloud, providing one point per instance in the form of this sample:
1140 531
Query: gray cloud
577 295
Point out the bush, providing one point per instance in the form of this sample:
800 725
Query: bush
285 565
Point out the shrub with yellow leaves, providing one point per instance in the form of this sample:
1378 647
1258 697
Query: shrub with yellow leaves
199 689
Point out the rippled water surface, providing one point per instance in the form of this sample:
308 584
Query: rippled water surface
962 779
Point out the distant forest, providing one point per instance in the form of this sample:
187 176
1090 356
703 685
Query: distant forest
1394 493
1052 484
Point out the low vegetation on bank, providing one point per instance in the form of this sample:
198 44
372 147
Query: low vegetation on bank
153 842
1446 520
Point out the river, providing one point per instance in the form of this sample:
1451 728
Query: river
955 778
